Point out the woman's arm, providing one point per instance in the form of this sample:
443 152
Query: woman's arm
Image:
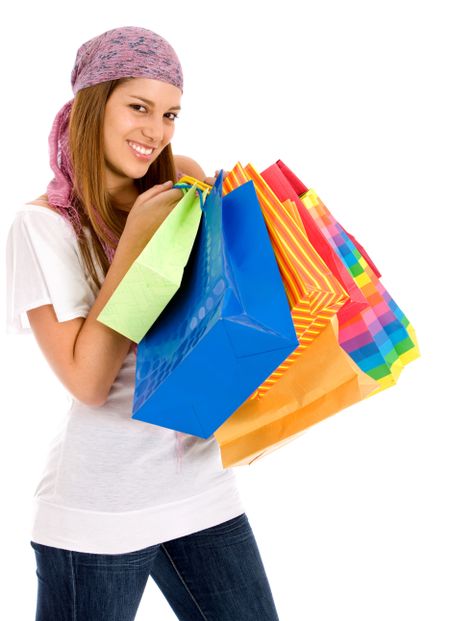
85 354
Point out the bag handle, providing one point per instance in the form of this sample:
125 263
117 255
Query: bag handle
204 188
185 187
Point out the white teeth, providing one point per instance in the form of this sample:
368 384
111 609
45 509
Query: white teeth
140 149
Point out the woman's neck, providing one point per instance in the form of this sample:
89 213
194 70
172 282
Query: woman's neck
124 198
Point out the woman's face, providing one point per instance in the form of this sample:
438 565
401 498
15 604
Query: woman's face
129 120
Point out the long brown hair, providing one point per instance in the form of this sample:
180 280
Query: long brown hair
87 153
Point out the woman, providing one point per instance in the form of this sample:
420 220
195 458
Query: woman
114 505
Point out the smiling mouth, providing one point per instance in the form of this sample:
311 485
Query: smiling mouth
140 152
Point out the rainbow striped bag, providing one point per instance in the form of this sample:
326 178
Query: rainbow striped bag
380 339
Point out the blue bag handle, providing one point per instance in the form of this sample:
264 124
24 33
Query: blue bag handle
185 187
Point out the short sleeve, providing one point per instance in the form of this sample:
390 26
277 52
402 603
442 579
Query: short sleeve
43 266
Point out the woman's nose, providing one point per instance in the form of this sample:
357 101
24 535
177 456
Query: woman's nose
154 131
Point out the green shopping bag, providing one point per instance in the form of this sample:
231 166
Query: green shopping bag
155 275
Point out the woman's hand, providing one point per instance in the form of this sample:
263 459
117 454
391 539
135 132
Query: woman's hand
149 211
212 180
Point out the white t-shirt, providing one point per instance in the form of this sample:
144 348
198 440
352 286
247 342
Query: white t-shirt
111 484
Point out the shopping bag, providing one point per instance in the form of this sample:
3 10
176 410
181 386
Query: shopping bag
359 328
225 330
355 253
155 275
374 343
321 382
394 323
299 188
279 180
314 294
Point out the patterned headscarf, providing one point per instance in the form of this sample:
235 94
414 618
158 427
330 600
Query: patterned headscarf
118 53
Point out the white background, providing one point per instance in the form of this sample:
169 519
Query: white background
352 518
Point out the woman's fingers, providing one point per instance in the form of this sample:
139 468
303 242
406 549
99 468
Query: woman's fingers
212 180
225 173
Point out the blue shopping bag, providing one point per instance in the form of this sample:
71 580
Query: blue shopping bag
226 329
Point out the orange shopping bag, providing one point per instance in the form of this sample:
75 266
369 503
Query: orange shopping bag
319 383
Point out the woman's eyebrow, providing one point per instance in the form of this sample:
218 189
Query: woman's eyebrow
152 103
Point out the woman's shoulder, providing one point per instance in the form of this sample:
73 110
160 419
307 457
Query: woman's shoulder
27 216
188 166
42 201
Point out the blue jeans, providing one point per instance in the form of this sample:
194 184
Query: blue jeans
215 574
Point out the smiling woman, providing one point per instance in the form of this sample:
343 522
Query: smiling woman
119 499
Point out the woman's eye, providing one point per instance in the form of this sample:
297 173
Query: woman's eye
173 115
138 106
